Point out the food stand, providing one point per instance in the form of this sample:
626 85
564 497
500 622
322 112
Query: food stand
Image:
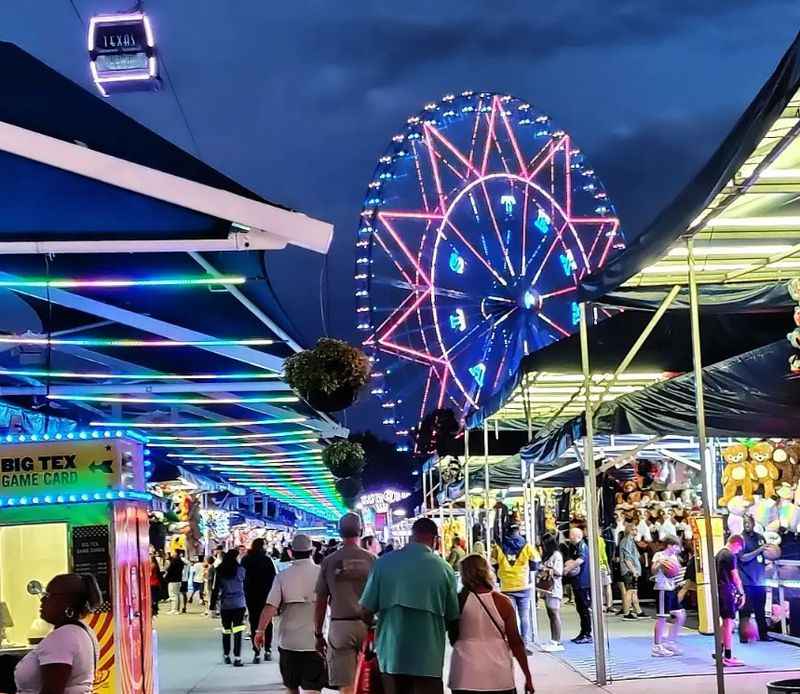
76 503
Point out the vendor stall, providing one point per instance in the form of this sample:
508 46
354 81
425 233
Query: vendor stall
76 503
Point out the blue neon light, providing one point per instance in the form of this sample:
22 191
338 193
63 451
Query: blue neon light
457 263
543 221
478 373
529 299
458 321
576 313
70 436
508 201
96 497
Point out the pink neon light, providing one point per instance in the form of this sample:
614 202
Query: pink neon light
453 149
559 292
389 332
497 228
425 393
556 240
475 253
523 261
389 253
419 177
421 357
394 214
435 169
403 248
523 169
611 237
443 389
553 150
394 313
489 136
553 324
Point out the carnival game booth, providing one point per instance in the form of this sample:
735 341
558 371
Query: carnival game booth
76 502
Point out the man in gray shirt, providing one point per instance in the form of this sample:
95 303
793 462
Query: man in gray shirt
342 577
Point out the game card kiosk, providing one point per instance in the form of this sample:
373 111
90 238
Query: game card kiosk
77 503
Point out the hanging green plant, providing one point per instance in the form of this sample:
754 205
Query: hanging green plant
328 376
344 458
349 489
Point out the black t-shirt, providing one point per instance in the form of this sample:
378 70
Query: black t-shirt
726 565
752 572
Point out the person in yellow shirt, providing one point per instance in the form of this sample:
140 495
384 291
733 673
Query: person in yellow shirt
514 561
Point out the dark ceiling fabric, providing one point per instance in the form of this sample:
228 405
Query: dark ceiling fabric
667 349
672 222
752 297
750 395
501 475
38 98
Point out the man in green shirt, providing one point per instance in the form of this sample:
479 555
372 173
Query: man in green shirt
413 593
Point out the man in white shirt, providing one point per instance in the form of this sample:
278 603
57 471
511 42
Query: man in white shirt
293 596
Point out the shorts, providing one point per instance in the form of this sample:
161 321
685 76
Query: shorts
631 582
668 602
302 670
184 586
727 603
345 637
552 603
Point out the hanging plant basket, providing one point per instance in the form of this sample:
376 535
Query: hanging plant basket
344 459
349 489
329 376
339 399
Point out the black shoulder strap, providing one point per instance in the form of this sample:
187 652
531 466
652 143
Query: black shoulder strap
500 630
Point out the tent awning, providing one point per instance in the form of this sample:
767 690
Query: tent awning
747 395
742 210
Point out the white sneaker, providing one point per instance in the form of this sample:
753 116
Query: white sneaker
658 651
673 648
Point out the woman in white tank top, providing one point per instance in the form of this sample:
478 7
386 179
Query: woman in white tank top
487 636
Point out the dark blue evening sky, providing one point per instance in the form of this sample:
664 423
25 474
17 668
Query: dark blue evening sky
297 99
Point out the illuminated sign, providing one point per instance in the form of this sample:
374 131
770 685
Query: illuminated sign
122 53
379 502
42 469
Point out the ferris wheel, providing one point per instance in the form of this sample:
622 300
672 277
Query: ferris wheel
479 222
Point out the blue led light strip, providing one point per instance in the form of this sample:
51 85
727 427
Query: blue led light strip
86 498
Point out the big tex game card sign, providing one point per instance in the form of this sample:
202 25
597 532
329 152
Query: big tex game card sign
69 467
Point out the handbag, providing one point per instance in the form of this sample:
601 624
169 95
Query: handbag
368 676
545 581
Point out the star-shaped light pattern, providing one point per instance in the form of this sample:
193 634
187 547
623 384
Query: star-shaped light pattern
479 223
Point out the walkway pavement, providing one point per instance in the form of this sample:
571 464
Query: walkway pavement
190 662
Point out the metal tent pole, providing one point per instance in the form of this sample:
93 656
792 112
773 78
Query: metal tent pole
530 505
424 490
488 543
707 472
598 622
467 500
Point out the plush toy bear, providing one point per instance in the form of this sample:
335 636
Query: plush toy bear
736 475
786 457
764 471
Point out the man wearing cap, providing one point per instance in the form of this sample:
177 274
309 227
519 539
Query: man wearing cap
413 592
293 597
342 577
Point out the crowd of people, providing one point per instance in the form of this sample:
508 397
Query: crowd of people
410 602
333 597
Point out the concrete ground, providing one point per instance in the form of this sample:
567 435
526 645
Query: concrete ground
190 661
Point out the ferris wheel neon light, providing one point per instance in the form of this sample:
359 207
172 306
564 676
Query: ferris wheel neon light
479 223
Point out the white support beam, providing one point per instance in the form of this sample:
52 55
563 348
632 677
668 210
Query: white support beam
276 226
